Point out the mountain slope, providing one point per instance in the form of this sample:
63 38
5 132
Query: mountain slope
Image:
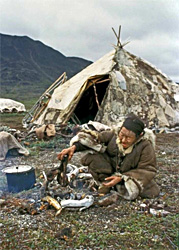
28 67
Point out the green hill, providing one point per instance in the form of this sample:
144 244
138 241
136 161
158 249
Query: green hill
29 67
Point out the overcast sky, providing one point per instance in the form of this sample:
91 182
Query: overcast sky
83 28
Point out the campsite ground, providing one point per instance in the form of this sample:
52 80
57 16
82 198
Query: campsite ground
122 225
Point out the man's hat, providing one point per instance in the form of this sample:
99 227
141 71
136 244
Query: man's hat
135 124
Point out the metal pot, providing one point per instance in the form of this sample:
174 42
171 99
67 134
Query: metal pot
20 178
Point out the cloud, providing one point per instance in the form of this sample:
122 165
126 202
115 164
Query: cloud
83 28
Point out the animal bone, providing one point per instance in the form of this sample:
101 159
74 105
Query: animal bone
73 173
84 203
86 176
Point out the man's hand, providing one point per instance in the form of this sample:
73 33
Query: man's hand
113 180
67 151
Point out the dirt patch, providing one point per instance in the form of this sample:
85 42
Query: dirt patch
121 225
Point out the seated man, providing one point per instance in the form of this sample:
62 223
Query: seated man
124 159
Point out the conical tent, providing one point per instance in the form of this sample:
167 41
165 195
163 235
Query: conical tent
108 90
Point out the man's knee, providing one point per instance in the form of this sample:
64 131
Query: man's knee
98 163
87 159
151 191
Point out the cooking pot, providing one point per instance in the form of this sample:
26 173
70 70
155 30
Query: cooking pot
19 178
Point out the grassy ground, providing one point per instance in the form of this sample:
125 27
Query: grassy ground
122 225
14 120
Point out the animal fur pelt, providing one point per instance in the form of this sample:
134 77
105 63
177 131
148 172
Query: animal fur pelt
89 138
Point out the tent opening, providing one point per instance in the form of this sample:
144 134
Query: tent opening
91 99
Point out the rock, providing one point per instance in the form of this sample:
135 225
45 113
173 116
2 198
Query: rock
108 199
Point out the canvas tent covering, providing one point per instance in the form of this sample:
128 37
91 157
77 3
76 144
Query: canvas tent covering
8 105
117 84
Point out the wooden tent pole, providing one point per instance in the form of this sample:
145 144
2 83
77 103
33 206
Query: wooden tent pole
35 108
96 96
118 36
63 75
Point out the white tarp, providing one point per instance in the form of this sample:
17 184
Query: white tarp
8 105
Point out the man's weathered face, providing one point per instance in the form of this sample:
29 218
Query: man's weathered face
127 137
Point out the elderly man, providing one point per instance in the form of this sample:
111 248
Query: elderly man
123 159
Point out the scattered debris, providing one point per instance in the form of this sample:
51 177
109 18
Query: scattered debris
33 218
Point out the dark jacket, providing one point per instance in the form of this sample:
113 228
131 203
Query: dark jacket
136 165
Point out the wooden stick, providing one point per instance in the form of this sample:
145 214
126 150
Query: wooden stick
96 96
67 136
124 44
115 33
103 81
40 111
119 33
58 79
34 109
118 39
75 119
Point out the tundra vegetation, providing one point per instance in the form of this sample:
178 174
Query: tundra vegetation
122 225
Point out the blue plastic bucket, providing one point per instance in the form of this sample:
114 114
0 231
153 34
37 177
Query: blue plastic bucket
20 178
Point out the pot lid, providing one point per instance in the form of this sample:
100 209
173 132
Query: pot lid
17 169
